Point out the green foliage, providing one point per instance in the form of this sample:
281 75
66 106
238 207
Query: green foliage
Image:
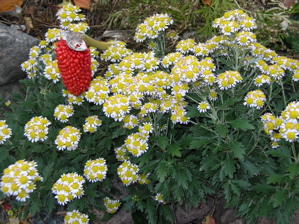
186 13
276 24
209 12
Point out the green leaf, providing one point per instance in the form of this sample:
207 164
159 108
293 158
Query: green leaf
162 141
247 165
118 133
106 217
275 178
238 149
182 179
2 196
4 154
35 208
162 170
47 170
264 188
291 204
50 202
242 124
151 211
174 150
242 184
28 104
235 189
165 214
149 167
138 217
79 158
279 153
221 129
228 167
293 170
37 148
279 198
199 142
91 193
192 112
227 191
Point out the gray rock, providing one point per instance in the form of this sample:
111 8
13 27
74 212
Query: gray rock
6 92
185 217
14 50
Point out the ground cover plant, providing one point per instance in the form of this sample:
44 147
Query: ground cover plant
173 127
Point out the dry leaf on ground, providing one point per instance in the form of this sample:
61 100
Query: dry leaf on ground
16 221
9 5
207 2
208 220
84 4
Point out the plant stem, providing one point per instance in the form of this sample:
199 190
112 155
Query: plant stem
283 93
294 153
97 44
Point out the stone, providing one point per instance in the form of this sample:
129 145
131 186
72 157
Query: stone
185 217
14 50
263 220
6 94
228 216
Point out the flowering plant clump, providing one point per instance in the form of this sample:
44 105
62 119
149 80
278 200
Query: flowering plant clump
128 172
19 179
68 138
111 205
63 112
75 217
68 187
37 129
91 124
170 126
5 131
95 170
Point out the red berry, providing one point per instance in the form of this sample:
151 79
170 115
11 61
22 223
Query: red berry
74 67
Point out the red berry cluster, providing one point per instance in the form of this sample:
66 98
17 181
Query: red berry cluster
74 67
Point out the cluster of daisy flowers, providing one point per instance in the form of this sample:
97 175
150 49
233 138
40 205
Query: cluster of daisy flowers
117 106
255 99
37 129
136 143
234 21
91 124
228 79
152 27
71 19
120 153
19 179
111 205
95 170
63 112
68 138
5 131
73 99
75 217
68 187
285 126
130 121
115 53
128 172
98 91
